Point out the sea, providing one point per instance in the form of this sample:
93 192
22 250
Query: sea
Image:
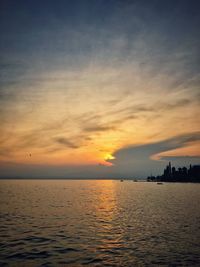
99 223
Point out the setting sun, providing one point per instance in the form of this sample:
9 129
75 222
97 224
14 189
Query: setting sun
109 157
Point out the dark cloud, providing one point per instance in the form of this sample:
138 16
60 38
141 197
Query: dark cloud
183 159
178 104
134 160
148 150
99 128
88 118
66 142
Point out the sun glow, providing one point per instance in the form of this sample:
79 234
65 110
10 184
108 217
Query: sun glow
108 156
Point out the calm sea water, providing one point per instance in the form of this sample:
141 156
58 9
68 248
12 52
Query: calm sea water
99 223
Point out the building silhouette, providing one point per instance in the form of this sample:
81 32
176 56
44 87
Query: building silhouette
170 174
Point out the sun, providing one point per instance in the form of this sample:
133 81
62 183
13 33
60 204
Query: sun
108 156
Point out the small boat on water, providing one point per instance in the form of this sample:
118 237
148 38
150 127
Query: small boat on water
159 183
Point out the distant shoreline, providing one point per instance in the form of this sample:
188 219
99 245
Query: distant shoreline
97 179
33 178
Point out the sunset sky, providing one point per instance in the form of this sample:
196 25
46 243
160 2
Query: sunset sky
103 88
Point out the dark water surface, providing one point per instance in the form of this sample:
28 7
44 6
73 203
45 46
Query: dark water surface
99 223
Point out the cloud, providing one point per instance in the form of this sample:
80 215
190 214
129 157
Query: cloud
147 150
137 160
98 128
117 116
100 83
86 124
131 161
66 142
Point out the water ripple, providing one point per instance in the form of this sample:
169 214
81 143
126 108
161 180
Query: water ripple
99 223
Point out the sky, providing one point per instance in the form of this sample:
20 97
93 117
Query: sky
98 89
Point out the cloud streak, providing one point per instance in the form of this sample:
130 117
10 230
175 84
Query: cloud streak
64 141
